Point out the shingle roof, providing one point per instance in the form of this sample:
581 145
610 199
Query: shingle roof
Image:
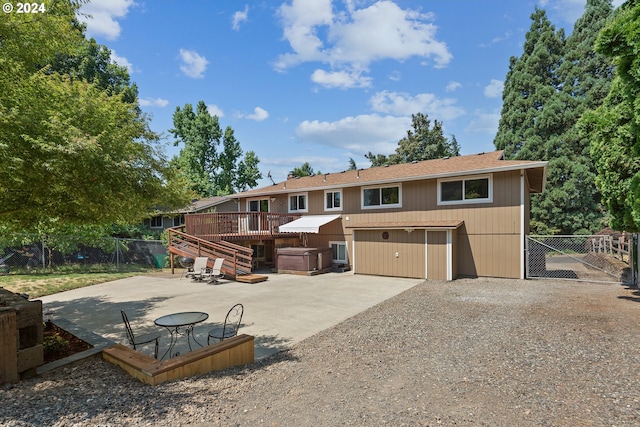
428 169
201 204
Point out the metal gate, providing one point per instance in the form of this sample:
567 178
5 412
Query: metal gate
596 258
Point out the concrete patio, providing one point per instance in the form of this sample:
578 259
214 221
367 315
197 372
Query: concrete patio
280 312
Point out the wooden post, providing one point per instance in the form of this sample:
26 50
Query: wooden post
8 346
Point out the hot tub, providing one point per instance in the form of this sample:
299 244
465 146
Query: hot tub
303 259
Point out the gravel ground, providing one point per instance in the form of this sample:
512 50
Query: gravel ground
481 352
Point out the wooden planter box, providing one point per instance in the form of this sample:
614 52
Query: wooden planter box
21 335
236 351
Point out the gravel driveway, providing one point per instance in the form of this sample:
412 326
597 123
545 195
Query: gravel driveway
470 352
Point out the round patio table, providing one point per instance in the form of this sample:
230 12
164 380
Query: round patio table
181 323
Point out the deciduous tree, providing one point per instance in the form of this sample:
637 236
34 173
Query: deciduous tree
72 152
211 172
614 127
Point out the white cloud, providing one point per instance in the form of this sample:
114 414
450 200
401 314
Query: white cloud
193 65
259 114
300 21
239 17
453 86
484 122
360 134
214 110
494 89
101 21
440 109
351 40
395 76
122 61
340 79
150 102
385 31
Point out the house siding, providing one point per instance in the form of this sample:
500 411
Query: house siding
487 244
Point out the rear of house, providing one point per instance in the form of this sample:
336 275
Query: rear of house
441 219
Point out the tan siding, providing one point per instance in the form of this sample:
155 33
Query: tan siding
488 243
378 257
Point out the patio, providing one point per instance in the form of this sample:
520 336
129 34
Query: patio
282 311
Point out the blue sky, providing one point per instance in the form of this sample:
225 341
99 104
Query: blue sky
323 81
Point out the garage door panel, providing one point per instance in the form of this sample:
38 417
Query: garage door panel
402 254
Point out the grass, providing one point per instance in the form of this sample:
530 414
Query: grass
40 284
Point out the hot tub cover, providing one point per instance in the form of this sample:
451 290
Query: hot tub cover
307 224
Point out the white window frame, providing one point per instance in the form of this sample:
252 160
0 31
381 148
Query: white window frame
326 208
381 206
306 202
466 201
258 199
156 226
346 252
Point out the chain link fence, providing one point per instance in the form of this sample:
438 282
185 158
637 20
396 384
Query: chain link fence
600 258
28 254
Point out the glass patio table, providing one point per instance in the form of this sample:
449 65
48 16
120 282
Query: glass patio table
181 323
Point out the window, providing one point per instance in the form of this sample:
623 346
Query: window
473 190
258 205
382 197
298 203
156 222
339 252
333 200
178 220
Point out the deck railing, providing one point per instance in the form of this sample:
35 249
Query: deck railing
237 259
225 225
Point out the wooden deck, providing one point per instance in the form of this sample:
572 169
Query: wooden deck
251 278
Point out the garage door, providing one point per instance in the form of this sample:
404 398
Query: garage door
394 253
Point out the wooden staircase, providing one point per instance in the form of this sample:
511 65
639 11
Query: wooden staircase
237 259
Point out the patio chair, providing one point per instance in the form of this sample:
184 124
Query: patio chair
216 272
199 268
231 325
136 340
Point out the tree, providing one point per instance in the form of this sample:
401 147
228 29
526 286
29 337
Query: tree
304 170
546 91
614 127
532 111
352 164
208 171
72 152
92 63
422 143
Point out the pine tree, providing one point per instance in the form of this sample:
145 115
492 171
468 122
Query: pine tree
530 104
546 91
424 142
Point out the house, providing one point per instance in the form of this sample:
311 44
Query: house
173 219
464 216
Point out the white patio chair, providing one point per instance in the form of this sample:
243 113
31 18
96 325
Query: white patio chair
199 269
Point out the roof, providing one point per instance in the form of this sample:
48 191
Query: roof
443 224
202 204
428 169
